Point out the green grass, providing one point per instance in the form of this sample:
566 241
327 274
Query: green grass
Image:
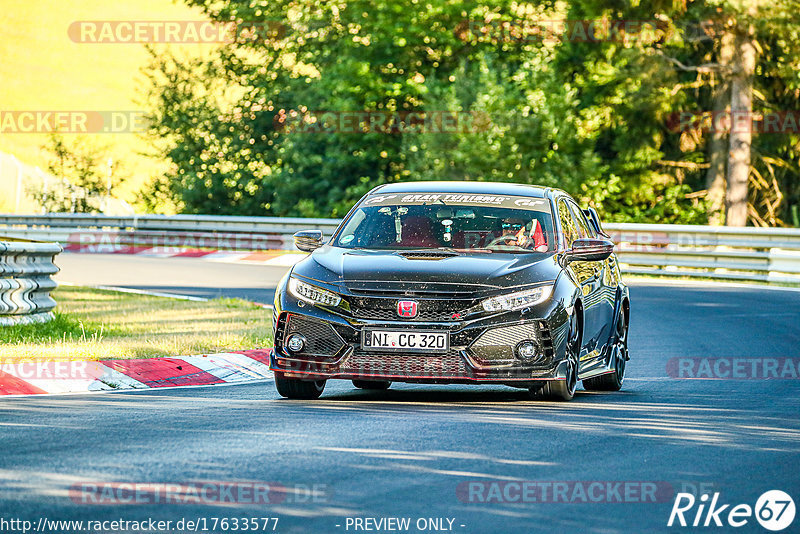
93 324
43 69
61 329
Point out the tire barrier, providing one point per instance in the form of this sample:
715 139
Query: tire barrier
26 269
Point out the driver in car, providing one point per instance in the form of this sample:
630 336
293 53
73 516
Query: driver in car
514 234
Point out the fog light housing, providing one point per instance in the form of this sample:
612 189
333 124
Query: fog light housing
526 351
295 343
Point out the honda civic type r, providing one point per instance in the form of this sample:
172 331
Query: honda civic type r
455 282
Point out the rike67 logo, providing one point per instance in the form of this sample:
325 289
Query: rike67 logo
774 510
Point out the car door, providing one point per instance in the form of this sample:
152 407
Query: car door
602 293
583 272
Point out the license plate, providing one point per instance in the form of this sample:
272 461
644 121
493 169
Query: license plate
407 340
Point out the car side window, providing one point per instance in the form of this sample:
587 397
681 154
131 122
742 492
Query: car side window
567 223
584 228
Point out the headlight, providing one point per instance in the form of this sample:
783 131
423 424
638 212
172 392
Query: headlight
518 300
313 294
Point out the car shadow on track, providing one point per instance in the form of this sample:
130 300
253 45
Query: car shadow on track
450 396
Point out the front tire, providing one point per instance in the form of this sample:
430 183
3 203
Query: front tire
564 390
294 388
372 384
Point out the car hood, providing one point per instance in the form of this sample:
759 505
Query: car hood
349 268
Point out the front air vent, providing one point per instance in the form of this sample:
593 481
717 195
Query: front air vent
495 346
427 254
322 340
546 339
443 366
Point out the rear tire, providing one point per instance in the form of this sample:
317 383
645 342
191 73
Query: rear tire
372 384
619 355
294 388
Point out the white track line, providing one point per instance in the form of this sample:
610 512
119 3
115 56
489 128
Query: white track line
154 293
139 292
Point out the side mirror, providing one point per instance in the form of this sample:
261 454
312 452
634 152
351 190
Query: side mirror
589 250
594 219
308 240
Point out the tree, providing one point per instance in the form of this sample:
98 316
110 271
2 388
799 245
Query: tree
708 55
230 156
594 117
87 176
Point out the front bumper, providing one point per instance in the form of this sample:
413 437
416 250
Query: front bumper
481 351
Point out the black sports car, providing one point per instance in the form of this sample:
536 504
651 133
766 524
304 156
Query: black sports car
455 282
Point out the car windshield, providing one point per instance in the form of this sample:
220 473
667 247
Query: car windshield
461 222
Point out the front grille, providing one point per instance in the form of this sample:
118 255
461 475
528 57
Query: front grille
391 315
423 290
322 340
449 365
385 309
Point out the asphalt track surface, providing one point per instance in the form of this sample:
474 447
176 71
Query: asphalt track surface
184 276
404 452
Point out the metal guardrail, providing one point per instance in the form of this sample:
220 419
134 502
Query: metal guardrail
101 233
25 281
756 254
721 252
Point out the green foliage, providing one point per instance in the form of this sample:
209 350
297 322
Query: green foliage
590 117
637 87
86 179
